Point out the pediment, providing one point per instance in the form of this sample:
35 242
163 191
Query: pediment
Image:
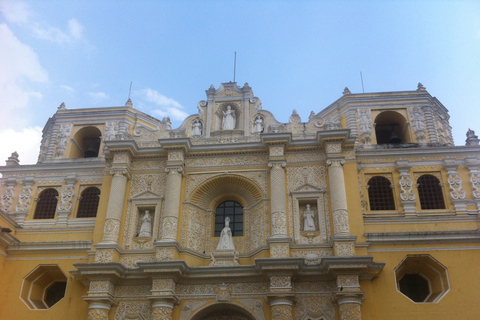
308 188
147 194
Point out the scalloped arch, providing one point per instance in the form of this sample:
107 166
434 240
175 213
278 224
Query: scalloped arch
206 193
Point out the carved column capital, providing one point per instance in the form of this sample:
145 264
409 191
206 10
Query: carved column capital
336 162
277 164
120 172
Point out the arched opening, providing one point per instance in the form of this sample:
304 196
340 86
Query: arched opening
234 212
380 195
391 128
430 192
46 204
89 203
223 311
86 143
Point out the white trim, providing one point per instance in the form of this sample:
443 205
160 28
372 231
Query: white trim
424 249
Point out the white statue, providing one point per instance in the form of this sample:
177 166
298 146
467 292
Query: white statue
308 222
228 119
258 125
197 128
146 227
226 240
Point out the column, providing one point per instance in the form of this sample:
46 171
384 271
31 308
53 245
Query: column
162 310
278 202
172 203
100 299
281 297
98 311
338 197
349 297
115 205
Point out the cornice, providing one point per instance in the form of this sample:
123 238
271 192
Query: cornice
426 237
49 247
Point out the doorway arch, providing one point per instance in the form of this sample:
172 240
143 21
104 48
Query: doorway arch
223 311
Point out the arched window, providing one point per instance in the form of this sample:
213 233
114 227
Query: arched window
380 194
89 203
430 193
47 204
232 210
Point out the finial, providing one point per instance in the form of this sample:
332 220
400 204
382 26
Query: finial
346 91
62 106
212 87
129 103
420 87
13 159
312 115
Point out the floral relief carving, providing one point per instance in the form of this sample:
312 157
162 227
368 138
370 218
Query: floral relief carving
344 249
164 254
101 286
280 282
279 223
315 304
135 309
282 312
225 160
111 230
134 290
333 147
312 156
130 260
279 251
104 255
340 221
350 311
97 314
162 313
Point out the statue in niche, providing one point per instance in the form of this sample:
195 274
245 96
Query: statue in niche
308 219
226 239
228 119
196 128
258 125
146 227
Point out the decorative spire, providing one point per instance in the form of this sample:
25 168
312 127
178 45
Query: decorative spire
13 160
472 139
62 106
346 91
129 103
420 87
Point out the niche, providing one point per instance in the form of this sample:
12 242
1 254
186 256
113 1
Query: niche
391 128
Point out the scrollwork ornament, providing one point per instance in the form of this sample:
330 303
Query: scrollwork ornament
66 199
335 162
340 221
7 199
475 181
455 184
24 198
406 186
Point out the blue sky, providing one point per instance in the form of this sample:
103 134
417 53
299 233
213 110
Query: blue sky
294 54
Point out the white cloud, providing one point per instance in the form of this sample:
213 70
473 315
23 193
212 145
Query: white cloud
25 142
98 96
19 65
15 11
65 87
159 99
170 107
46 32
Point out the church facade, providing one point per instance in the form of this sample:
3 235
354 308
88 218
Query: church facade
366 210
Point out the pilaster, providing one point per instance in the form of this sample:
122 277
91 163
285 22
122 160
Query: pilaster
64 207
407 197
473 164
23 205
457 195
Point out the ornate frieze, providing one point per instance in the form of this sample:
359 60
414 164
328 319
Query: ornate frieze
406 185
133 309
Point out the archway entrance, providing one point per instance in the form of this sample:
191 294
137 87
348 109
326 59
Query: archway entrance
223 311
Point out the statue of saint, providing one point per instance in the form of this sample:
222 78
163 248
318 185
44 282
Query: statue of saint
308 219
228 119
258 125
146 227
226 240
197 128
